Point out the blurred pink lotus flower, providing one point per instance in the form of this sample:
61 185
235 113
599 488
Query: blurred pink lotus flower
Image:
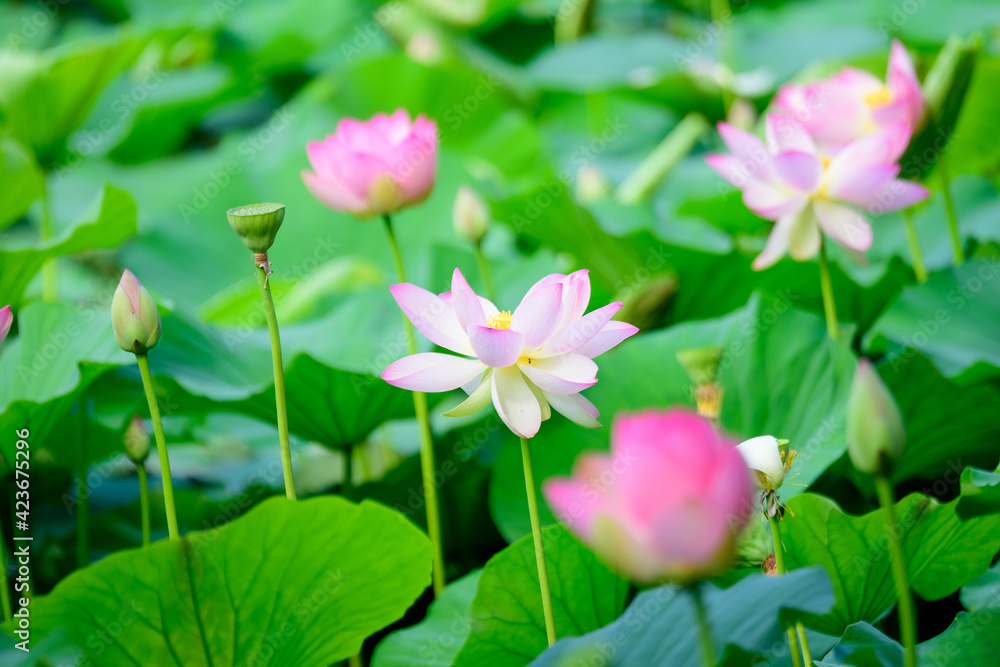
807 194
853 103
6 319
666 503
526 362
374 167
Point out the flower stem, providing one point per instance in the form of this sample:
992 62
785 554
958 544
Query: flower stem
82 494
143 501
426 439
484 272
50 285
279 379
536 534
704 629
779 563
355 661
161 446
348 483
721 14
907 617
914 241
826 285
949 209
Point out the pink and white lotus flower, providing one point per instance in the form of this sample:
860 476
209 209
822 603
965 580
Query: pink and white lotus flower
528 362
853 103
790 181
6 319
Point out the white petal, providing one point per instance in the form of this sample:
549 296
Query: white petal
575 408
515 402
496 347
538 315
432 316
612 334
476 401
431 371
579 333
762 454
565 374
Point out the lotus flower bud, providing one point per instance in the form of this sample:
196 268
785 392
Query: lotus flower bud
469 215
257 224
875 434
6 319
134 317
136 440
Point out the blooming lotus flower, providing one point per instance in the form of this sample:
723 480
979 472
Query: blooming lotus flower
134 317
854 103
374 167
807 194
527 362
666 503
6 319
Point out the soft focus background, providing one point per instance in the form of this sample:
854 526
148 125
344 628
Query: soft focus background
139 123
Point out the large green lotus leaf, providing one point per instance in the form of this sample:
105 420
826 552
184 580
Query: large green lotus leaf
110 220
972 639
21 178
46 95
287 584
658 628
935 448
506 624
781 373
863 646
980 493
942 553
327 405
436 640
983 592
951 318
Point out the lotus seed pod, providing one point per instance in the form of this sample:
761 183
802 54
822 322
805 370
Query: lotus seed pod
257 224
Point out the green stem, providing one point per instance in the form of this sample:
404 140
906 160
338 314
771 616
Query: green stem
46 230
779 563
279 376
907 617
721 13
355 661
4 584
161 446
143 501
826 285
484 272
426 439
82 495
663 159
949 209
704 629
536 533
914 241
348 482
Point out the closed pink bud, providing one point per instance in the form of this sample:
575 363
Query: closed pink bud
374 167
667 503
6 319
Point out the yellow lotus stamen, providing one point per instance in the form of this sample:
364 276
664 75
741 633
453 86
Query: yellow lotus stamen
501 320
878 98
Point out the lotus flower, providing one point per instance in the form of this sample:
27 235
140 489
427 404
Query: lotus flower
134 317
807 194
526 362
764 456
875 432
854 103
374 167
6 319
665 504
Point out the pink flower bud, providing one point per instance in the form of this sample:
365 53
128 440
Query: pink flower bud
667 503
134 317
6 319
875 434
374 167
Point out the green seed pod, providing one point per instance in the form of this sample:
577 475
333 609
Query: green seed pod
257 224
134 317
701 364
136 440
875 434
